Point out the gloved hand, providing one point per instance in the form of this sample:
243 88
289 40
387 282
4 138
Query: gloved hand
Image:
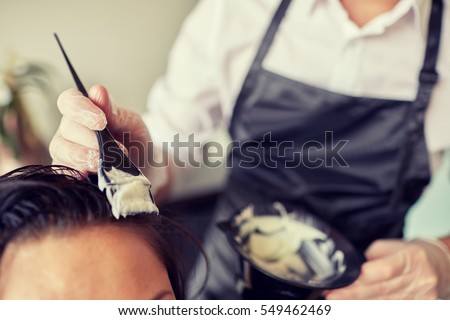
75 143
396 269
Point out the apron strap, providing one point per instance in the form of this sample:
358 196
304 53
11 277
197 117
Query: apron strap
270 34
428 74
259 58
428 77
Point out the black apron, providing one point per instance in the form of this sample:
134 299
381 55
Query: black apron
358 163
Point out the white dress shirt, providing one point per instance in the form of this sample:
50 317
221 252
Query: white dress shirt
316 44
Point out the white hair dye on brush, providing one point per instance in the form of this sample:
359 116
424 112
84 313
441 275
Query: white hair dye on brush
127 194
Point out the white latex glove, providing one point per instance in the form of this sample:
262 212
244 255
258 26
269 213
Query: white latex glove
396 269
75 143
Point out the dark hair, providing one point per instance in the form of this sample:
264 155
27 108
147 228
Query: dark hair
37 199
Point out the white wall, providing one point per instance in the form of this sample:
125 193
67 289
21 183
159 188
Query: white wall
121 44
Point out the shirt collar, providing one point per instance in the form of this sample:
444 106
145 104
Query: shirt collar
418 9
422 10
311 5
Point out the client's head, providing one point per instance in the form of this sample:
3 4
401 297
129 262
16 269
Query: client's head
59 240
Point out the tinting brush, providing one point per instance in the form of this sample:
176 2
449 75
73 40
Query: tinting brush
126 187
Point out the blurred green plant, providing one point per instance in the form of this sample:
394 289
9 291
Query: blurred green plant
21 77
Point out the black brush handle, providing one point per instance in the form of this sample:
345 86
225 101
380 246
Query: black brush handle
110 153
77 80
104 137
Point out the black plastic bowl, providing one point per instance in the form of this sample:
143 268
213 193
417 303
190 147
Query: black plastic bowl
352 259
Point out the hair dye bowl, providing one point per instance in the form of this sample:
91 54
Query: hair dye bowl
290 253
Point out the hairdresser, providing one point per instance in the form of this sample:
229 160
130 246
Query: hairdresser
375 74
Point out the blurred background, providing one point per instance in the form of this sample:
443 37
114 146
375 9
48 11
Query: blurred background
121 44
124 45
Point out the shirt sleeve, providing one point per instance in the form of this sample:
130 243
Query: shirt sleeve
186 99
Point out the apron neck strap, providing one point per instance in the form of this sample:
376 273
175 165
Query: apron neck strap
427 79
271 32
428 74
